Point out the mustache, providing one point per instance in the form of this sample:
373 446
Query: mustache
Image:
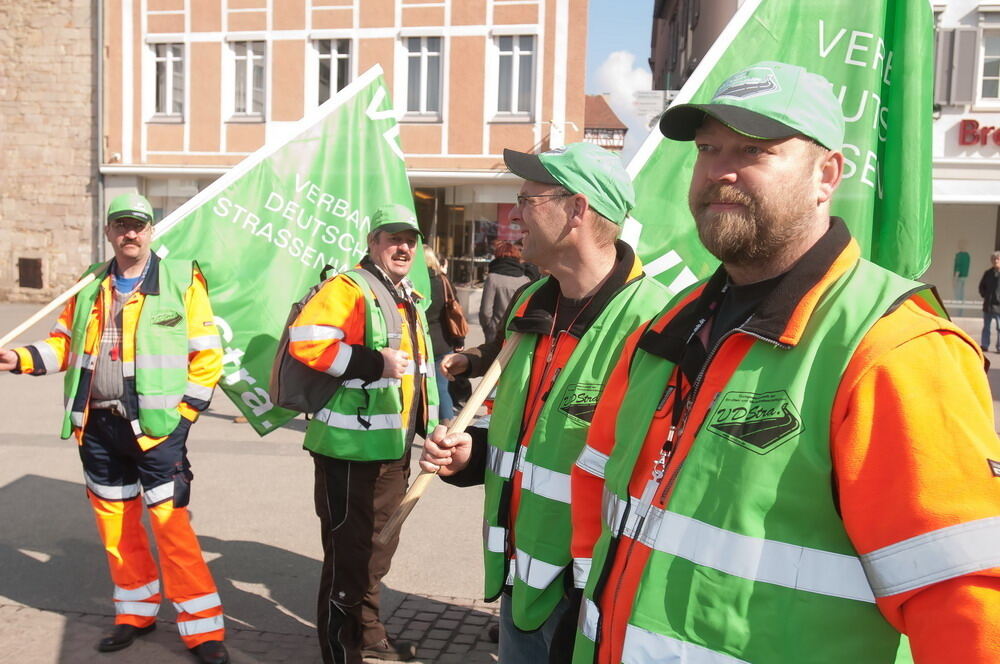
724 193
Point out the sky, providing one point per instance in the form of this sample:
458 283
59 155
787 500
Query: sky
617 59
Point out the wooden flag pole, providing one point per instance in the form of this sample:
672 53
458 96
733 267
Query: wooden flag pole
458 425
48 308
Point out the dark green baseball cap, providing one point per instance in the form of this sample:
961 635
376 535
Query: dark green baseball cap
581 168
766 100
393 218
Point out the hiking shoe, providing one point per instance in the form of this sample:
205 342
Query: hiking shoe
390 651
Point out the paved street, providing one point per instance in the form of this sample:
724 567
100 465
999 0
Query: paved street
252 508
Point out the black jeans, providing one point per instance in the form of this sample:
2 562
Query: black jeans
354 499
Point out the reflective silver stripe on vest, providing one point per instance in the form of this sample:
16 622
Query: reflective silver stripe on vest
161 362
209 601
49 360
381 383
137 594
432 412
581 570
499 462
76 417
756 559
199 626
205 342
592 461
534 572
197 391
136 427
342 421
543 482
159 401
315 333
128 369
85 361
59 328
936 556
645 647
339 366
613 508
495 538
109 492
590 615
158 494
137 608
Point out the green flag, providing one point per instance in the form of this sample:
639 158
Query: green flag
263 232
878 54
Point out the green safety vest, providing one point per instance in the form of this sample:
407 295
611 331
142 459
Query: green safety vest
364 422
543 522
159 370
750 558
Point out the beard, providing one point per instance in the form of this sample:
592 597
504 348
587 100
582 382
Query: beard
758 232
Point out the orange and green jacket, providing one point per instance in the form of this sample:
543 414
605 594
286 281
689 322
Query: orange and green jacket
914 473
204 361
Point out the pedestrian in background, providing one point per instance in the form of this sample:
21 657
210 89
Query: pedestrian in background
441 341
989 290
504 276
142 356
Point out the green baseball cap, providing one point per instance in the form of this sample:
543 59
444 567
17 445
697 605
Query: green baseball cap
766 100
132 206
581 168
393 218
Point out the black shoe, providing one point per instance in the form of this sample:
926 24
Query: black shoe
386 650
210 652
122 636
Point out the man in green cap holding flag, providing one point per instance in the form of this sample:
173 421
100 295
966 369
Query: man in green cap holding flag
364 328
778 470
572 324
142 356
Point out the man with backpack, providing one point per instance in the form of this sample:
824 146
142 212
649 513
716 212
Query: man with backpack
364 328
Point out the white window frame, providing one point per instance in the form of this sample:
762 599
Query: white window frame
171 66
422 114
247 55
991 103
514 54
334 57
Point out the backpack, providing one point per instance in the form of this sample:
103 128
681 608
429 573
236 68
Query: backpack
295 386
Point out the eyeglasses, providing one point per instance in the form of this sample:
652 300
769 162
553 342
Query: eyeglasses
521 198
126 224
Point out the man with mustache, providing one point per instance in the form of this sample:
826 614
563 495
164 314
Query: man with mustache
142 356
360 441
572 205
795 461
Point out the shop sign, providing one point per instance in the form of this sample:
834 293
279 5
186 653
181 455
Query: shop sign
970 132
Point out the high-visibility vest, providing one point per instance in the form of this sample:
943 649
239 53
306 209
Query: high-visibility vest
364 422
159 371
542 524
748 560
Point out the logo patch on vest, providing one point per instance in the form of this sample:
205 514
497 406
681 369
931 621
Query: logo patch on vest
995 467
167 319
579 401
758 422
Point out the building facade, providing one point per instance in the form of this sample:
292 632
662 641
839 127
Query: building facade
192 87
966 138
602 126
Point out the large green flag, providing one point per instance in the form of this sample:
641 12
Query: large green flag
878 54
263 232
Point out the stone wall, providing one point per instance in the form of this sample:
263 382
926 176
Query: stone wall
48 145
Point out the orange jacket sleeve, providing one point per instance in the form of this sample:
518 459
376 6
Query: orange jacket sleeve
913 433
330 330
50 355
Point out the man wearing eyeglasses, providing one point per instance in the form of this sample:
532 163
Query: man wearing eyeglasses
142 356
571 206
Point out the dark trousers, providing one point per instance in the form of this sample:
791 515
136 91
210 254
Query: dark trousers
354 499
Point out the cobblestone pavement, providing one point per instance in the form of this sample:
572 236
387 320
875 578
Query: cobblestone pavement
446 630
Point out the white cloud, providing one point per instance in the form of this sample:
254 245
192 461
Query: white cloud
618 77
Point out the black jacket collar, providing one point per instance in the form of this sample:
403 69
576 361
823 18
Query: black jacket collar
772 317
537 318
